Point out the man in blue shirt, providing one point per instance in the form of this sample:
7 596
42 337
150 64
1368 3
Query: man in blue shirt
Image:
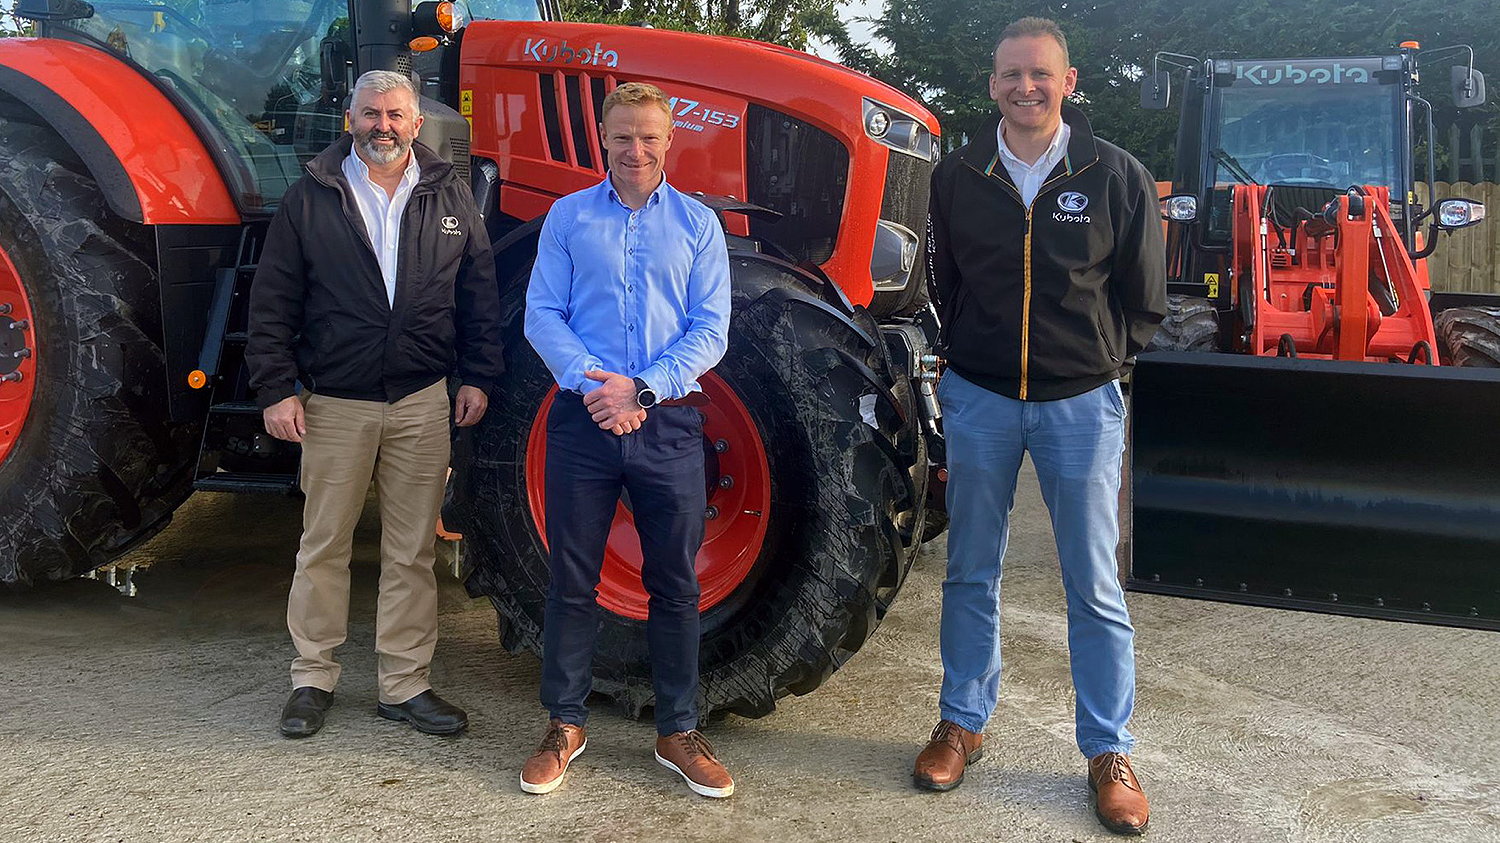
628 306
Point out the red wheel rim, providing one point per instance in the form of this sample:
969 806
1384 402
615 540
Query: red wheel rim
738 506
18 355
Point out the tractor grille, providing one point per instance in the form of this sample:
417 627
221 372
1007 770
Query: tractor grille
461 157
572 105
800 171
908 182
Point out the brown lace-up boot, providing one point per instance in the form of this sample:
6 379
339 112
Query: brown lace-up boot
940 766
543 771
1119 801
691 756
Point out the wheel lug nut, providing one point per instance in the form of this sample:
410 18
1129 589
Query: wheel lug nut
20 324
711 513
11 377
721 445
22 354
4 308
726 482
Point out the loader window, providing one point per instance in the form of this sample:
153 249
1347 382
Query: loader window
246 72
1328 135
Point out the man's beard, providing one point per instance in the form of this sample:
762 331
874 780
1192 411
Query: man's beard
379 154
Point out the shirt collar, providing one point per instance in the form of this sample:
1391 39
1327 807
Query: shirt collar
1052 153
654 198
408 176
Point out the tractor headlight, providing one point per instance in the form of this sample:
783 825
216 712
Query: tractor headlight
1459 213
1179 207
899 131
439 20
894 257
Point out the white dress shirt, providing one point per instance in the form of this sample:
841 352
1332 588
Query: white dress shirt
382 213
1030 177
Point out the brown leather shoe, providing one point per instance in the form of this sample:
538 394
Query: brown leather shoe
1119 802
543 771
951 749
691 756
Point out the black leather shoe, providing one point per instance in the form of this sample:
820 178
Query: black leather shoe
427 712
303 714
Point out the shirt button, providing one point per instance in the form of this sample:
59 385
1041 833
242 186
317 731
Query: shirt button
632 367
629 288
630 327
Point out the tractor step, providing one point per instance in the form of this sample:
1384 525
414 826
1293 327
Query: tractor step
226 481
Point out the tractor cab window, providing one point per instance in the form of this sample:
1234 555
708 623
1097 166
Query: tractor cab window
503 9
1315 123
246 72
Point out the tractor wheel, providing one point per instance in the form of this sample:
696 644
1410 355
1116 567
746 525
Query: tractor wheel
89 464
1192 324
1469 336
810 455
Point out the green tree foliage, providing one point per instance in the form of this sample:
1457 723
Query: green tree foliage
940 50
789 22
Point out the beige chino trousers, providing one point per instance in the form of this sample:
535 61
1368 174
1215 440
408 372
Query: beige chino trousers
404 448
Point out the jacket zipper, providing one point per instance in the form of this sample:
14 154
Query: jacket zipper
1026 269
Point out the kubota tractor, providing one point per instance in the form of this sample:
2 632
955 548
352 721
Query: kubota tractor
1312 436
144 145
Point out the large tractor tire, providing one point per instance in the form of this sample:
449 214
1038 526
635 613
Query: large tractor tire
1192 324
1469 336
815 465
89 464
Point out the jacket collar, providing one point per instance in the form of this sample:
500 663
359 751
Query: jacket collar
328 166
983 152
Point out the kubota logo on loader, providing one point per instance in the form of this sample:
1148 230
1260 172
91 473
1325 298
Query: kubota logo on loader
1302 73
537 49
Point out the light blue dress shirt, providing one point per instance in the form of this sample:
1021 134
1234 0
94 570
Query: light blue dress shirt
644 293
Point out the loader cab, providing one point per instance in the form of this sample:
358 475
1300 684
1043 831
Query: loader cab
1328 123
263 82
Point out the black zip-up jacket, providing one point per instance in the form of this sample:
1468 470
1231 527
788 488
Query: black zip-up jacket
1048 301
318 307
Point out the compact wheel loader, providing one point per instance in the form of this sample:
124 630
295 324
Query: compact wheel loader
1314 427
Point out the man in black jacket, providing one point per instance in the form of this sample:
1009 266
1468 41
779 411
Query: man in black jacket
376 282
1046 252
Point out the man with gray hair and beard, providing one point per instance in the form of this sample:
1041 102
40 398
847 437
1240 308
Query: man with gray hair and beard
375 287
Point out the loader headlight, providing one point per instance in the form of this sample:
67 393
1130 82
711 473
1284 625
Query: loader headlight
1459 213
1179 207
899 131
894 257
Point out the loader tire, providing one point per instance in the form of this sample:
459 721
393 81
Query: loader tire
1469 336
839 449
1192 324
94 466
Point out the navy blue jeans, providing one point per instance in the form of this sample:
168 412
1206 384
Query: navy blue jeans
661 465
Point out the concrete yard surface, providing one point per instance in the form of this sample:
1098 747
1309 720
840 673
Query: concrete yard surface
153 718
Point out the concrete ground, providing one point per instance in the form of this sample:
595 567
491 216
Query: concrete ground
153 718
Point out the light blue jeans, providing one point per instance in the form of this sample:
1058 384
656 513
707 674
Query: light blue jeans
1075 444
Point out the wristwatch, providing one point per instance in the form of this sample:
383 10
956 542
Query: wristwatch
644 394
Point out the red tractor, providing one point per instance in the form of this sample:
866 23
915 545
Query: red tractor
145 145
1323 453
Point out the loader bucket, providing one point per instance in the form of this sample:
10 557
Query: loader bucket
1352 488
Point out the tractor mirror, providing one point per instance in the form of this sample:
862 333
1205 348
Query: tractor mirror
1156 90
1468 87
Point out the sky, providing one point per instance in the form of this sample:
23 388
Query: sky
858 30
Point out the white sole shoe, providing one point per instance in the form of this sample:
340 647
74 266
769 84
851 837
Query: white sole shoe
700 789
548 787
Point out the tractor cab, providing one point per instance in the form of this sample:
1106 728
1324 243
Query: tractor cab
262 81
